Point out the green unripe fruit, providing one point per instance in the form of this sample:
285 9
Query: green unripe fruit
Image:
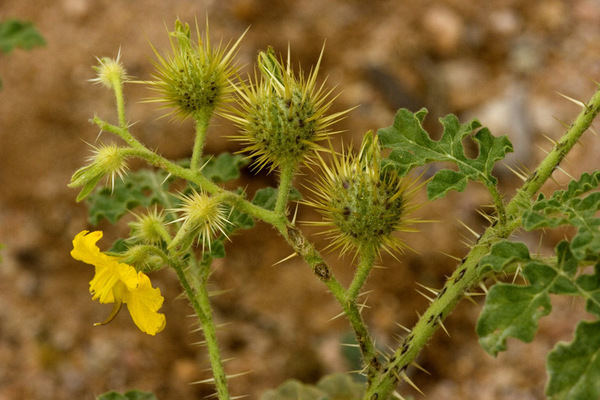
361 204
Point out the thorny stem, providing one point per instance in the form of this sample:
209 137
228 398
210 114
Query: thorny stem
198 297
306 250
467 274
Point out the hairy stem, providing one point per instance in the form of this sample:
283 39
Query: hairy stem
286 174
365 265
198 297
201 128
467 274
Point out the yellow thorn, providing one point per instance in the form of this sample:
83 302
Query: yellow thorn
410 382
483 287
403 327
295 214
451 256
286 259
515 172
336 316
578 102
563 123
398 395
565 172
430 290
417 366
443 326
468 228
424 295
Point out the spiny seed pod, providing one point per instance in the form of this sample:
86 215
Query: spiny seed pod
149 228
361 203
195 79
282 115
107 160
203 218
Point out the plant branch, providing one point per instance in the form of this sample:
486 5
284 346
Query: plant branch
467 274
306 250
198 297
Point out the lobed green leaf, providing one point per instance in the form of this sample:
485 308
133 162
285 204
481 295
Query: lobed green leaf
224 167
412 147
140 188
502 254
574 368
267 197
513 310
567 207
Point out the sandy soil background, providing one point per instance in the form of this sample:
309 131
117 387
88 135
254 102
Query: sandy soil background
502 61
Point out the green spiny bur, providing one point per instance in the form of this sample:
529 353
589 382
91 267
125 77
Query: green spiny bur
412 147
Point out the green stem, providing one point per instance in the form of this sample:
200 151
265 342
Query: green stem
467 275
286 174
306 250
202 120
367 260
198 297
120 131
120 101
498 203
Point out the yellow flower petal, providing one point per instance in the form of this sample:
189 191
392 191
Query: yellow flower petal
85 249
143 304
120 283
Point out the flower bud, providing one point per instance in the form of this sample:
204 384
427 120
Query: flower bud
107 160
110 72
149 228
203 218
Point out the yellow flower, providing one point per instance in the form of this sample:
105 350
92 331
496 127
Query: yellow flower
120 283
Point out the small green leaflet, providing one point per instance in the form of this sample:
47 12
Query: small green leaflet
412 147
567 207
225 167
513 310
140 188
267 197
574 368
129 395
15 33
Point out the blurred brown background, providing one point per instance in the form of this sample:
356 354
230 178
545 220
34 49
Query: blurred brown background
502 61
